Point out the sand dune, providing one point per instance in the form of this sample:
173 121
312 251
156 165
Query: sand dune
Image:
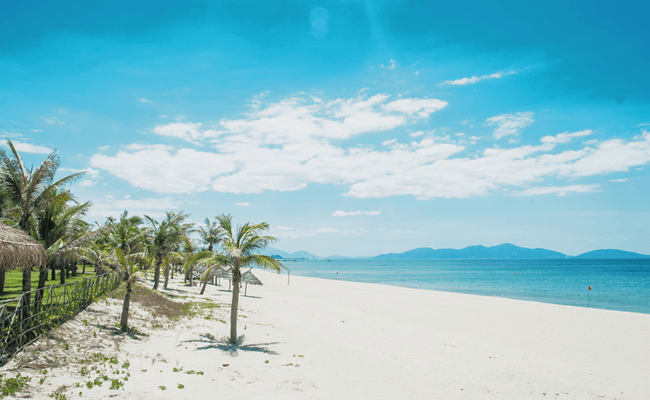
328 339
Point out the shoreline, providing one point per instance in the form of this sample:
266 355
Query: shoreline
616 287
328 339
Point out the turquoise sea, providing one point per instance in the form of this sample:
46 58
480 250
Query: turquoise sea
622 285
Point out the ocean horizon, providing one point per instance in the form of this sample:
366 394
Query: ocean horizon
620 285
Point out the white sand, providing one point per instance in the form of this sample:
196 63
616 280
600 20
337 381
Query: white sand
361 341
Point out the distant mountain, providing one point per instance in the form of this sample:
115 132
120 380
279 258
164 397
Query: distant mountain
611 253
346 258
270 251
502 251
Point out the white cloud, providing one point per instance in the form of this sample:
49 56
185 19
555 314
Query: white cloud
474 79
90 173
54 121
87 183
244 204
30 148
391 65
4 133
559 190
400 231
37 130
619 180
286 232
153 207
156 168
355 213
565 137
145 100
102 148
187 131
287 145
510 124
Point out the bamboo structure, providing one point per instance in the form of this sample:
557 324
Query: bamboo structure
60 303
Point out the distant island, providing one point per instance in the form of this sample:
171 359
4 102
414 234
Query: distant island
504 251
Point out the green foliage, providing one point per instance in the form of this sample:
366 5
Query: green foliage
14 283
162 387
59 396
116 384
181 386
10 386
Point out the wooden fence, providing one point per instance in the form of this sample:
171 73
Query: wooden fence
24 318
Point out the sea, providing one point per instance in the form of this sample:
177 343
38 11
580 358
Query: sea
622 284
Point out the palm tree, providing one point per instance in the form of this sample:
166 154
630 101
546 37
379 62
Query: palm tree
240 246
210 234
131 273
61 218
126 234
163 238
28 191
188 250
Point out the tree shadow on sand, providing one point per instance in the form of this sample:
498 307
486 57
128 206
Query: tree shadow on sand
210 342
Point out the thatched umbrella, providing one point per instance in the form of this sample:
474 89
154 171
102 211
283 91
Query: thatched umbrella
18 249
224 272
248 277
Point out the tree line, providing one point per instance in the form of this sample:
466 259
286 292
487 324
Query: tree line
31 199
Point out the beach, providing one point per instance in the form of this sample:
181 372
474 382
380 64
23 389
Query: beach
323 339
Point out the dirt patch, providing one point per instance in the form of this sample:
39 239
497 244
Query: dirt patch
158 304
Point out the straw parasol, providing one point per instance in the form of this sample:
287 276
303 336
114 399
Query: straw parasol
248 277
17 248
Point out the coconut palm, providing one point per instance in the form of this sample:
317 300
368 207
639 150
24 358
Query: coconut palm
130 271
162 238
211 234
240 246
61 218
27 191
188 250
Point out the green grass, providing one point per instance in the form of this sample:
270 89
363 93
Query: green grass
14 281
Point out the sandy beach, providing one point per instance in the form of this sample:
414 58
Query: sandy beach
325 339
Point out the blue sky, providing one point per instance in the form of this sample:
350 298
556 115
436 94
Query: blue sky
352 127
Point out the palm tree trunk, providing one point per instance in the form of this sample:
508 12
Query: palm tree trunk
27 286
166 275
62 274
191 271
42 279
205 283
74 268
3 274
83 272
53 272
125 308
156 275
236 276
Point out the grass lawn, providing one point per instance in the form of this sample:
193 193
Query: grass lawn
14 281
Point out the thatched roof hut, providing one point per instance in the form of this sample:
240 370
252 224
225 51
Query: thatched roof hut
18 249
248 277
222 272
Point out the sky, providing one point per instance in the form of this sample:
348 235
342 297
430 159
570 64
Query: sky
353 128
